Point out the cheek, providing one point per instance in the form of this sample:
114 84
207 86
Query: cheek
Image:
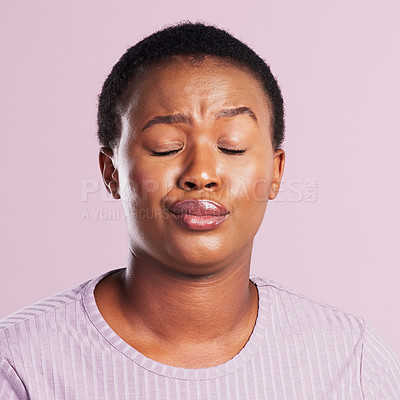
140 194
254 183
261 189
261 179
145 183
251 201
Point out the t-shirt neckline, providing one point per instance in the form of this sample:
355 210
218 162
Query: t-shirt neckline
250 348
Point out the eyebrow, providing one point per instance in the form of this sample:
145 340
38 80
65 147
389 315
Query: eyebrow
184 119
168 119
232 112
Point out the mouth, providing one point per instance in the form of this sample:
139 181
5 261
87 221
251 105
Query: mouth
199 215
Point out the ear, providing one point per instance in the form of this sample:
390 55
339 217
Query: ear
279 165
109 172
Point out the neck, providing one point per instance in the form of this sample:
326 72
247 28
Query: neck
180 319
187 308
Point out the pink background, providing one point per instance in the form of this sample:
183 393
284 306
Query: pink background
332 234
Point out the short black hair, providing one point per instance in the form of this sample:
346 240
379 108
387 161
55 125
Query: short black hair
183 39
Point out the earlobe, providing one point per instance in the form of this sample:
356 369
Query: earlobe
279 165
273 192
109 172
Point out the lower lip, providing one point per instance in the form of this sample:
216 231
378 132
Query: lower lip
200 222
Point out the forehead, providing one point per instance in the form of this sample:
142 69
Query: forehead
195 85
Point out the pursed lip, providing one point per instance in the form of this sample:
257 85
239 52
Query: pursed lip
198 207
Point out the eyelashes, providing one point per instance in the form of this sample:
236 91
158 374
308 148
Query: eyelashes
222 149
232 151
164 153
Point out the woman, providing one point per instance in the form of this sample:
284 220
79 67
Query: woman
191 126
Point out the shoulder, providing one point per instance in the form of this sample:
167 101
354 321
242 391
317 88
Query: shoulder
57 318
29 330
380 368
328 340
310 318
42 307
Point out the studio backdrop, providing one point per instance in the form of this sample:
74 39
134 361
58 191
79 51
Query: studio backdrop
333 231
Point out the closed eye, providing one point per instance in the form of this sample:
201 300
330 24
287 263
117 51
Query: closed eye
164 153
232 151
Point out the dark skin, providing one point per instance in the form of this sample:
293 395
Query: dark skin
192 130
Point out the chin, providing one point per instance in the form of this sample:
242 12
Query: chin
205 258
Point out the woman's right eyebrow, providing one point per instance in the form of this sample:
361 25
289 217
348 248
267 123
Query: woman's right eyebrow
168 119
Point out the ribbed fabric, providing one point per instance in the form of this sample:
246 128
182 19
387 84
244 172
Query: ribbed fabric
61 348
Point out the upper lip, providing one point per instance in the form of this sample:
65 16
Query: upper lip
198 207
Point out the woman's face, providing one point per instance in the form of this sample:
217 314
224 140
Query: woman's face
196 130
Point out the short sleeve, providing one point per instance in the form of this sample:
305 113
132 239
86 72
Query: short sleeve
380 369
11 386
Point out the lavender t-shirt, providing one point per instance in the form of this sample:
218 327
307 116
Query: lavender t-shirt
62 348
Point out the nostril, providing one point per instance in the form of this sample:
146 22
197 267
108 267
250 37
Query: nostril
198 185
190 185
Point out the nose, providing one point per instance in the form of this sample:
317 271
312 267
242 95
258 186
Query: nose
200 171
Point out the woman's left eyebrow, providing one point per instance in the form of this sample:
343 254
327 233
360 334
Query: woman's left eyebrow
232 112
